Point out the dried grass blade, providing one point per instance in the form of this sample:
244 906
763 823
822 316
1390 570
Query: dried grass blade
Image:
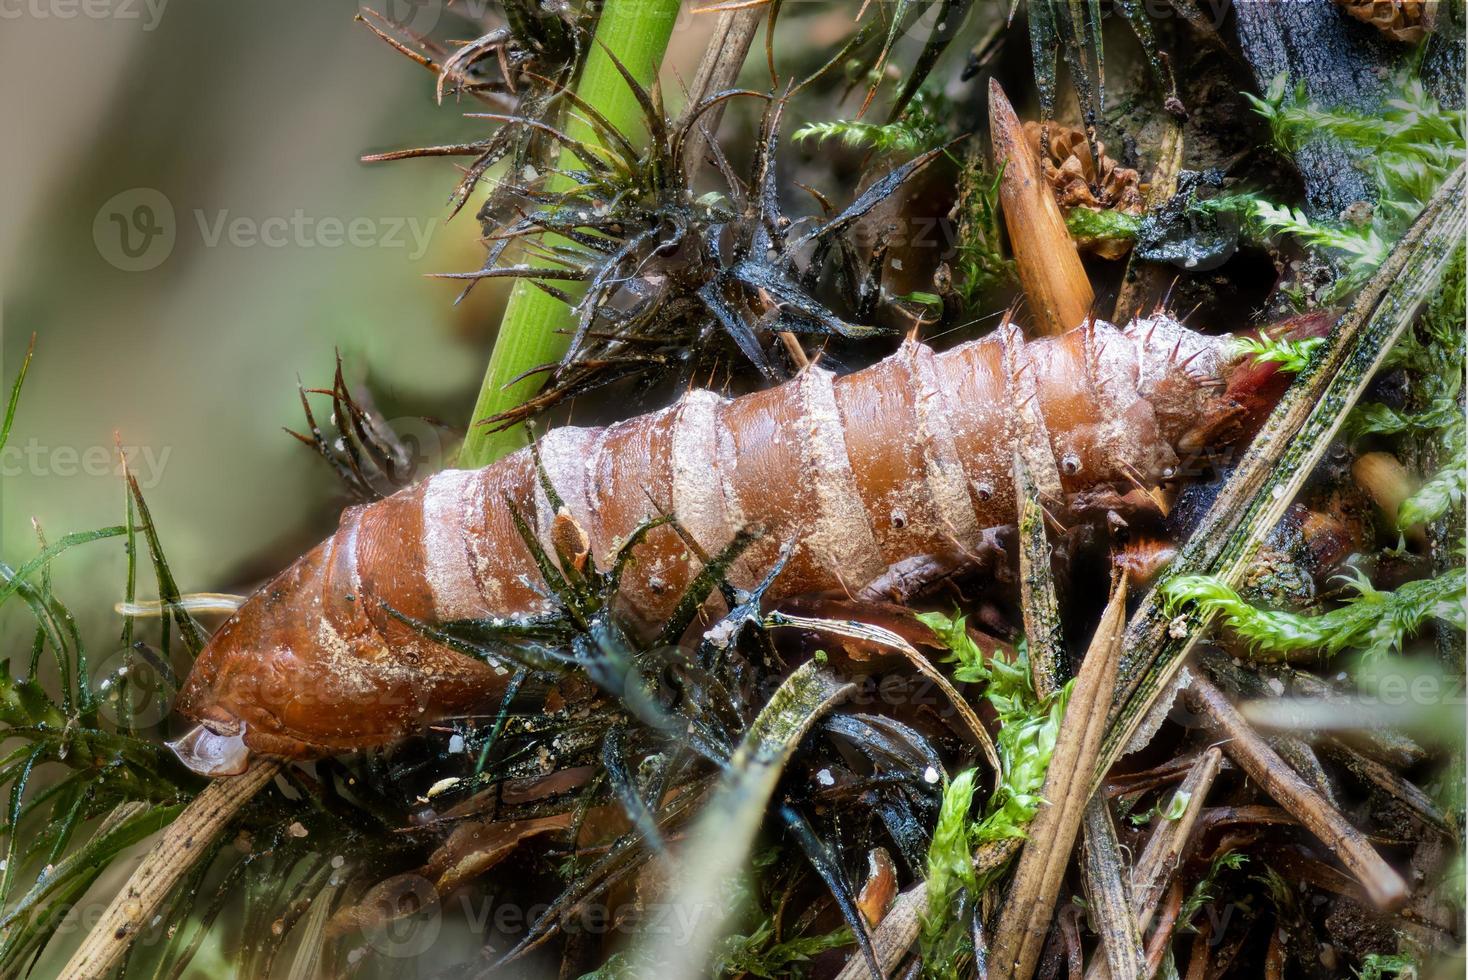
1038 604
1025 920
721 839
1152 873
727 48
184 842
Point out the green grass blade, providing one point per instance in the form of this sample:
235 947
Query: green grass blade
636 32
10 406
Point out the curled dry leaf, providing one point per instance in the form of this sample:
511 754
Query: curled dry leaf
570 539
1078 180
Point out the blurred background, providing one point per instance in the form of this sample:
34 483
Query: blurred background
186 229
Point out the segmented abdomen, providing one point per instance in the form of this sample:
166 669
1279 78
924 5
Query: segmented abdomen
884 479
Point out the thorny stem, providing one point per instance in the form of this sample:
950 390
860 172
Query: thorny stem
636 32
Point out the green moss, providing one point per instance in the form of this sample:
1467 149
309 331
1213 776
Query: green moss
1372 621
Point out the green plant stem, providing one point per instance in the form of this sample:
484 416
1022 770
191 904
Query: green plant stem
636 32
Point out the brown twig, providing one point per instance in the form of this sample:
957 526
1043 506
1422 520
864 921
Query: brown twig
722 60
184 842
1161 936
1250 687
1023 923
1284 786
1173 770
1198 952
1165 848
1394 783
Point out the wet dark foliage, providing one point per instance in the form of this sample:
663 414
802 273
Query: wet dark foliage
585 784
520 63
655 718
663 282
87 777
